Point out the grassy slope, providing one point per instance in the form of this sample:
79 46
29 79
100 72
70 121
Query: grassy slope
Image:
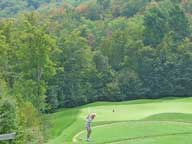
63 119
69 122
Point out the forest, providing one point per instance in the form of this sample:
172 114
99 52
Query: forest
55 54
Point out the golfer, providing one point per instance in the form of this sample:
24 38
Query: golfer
89 120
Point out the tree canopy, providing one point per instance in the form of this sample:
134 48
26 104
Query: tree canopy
57 54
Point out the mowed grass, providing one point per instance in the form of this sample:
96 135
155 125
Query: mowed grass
141 121
169 139
110 133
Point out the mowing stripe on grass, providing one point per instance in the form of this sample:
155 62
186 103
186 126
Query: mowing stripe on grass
148 136
142 137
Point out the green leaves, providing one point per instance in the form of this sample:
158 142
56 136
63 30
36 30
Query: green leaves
35 66
8 117
102 50
77 61
163 18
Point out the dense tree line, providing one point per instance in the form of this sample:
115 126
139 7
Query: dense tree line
11 8
102 50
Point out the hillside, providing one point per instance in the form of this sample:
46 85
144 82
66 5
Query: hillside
10 8
57 54
14 7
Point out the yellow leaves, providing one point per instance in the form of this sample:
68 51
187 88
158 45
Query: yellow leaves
31 115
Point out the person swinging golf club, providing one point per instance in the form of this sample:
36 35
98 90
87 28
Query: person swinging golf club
89 120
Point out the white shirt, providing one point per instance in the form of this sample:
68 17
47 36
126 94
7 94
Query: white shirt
88 121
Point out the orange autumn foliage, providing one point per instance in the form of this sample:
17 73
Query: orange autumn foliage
81 8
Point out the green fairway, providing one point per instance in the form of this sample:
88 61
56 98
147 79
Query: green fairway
134 130
169 139
164 121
